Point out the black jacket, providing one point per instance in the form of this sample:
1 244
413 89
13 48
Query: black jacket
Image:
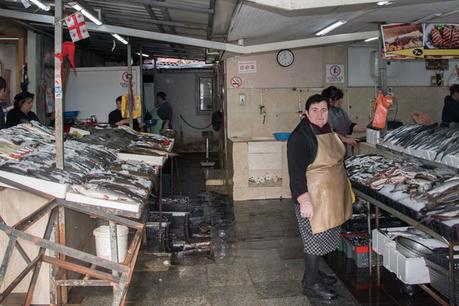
2 116
450 111
116 116
15 117
301 152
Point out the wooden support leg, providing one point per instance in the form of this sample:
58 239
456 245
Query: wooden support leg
41 252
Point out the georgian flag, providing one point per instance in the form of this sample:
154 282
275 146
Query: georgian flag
77 27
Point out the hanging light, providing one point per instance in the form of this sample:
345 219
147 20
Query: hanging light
121 39
331 27
41 5
86 13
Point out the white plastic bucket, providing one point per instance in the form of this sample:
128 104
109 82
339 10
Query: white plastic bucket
102 235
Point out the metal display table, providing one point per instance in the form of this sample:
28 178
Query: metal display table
415 223
95 271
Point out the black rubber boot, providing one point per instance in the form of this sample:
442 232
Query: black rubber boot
327 279
312 285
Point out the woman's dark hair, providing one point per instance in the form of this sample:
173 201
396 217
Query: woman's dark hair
119 99
162 95
20 98
454 88
332 93
2 83
314 99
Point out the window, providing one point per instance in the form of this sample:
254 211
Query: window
205 95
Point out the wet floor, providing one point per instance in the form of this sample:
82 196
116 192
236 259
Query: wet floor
256 258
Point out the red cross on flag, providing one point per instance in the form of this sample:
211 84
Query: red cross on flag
77 27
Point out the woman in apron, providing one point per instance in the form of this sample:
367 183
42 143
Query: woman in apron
320 190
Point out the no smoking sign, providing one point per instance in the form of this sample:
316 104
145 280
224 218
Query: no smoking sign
236 82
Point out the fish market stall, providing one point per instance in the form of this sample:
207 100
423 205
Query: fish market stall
423 194
94 182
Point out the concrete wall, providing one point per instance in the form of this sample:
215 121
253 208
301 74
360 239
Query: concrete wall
284 90
8 61
181 90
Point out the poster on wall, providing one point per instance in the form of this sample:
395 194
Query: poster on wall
400 40
247 66
334 73
441 40
412 41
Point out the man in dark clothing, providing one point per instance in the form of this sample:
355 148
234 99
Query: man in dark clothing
2 102
164 110
450 113
116 118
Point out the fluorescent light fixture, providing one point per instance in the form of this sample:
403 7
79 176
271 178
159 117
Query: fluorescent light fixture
371 39
121 39
331 27
41 5
87 14
143 54
76 6
382 3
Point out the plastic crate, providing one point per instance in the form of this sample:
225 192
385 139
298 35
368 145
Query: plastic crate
155 244
176 203
359 253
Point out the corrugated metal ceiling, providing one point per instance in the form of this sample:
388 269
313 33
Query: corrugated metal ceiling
231 20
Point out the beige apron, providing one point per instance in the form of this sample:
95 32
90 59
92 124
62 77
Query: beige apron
328 186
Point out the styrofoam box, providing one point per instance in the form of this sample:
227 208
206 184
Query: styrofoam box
379 239
54 189
412 271
390 263
120 205
149 159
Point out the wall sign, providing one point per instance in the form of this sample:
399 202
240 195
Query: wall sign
247 66
411 41
236 82
334 73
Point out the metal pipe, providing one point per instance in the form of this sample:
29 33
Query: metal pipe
58 86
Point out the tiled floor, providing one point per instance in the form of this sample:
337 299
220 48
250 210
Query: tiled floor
263 263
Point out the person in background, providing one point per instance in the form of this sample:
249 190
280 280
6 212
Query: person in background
320 192
2 102
162 114
337 118
450 113
116 118
22 110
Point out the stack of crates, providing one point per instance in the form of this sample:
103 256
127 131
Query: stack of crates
355 246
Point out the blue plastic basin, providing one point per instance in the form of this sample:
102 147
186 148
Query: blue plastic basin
281 136
71 114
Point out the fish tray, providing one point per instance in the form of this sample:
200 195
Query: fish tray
149 159
438 270
132 207
54 189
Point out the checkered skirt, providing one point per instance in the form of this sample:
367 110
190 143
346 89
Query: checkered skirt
318 244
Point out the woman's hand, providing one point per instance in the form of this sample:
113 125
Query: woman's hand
306 208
